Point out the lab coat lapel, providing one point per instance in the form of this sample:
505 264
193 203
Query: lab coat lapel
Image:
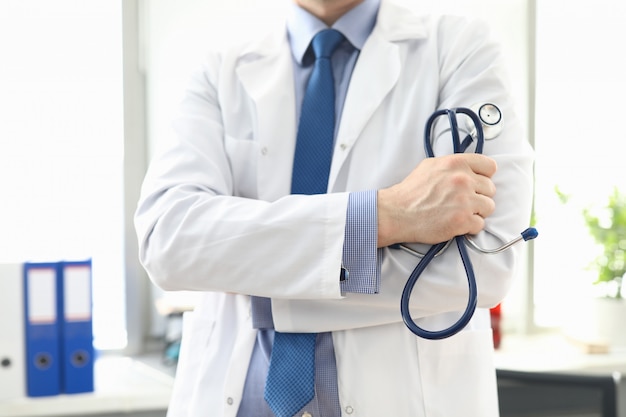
376 73
266 74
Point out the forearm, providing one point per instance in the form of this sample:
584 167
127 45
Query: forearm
290 248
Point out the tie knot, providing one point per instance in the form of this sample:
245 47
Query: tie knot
325 42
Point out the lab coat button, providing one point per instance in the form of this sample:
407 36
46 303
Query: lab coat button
229 401
343 146
307 414
264 150
349 410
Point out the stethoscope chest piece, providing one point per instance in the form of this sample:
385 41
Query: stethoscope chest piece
490 118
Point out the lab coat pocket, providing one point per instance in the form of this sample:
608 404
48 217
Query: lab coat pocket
458 375
243 156
197 331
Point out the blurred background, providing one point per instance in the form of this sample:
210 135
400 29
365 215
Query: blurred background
87 88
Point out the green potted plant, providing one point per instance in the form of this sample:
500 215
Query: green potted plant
604 316
608 228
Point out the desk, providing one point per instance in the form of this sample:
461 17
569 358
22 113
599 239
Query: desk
123 387
554 353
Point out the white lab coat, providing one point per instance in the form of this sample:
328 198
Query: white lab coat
215 215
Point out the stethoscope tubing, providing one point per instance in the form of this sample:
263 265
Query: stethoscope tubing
526 235
462 242
458 146
472 300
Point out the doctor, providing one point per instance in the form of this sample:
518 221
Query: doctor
218 215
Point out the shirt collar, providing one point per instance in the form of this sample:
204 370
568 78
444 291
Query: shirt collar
356 26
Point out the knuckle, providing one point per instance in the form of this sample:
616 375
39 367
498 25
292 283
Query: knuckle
460 180
456 161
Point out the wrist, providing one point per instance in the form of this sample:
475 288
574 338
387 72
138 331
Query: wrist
387 218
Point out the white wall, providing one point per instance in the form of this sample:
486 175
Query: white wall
509 22
177 32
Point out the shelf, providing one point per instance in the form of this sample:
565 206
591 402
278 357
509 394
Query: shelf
122 385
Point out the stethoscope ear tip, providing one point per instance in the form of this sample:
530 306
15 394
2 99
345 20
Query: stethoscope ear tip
530 234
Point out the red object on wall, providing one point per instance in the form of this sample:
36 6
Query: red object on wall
496 315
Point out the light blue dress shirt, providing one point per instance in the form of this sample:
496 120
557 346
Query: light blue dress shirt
360 257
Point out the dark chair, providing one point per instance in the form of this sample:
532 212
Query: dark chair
550 394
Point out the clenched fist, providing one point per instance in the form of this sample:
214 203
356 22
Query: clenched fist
441 198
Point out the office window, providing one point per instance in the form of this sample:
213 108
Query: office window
579 142
61 144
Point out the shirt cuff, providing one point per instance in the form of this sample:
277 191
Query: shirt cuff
361 257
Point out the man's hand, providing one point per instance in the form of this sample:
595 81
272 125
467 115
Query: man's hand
441 198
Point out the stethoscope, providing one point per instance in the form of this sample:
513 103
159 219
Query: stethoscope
483 122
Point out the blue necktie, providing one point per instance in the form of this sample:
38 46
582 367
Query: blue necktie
290 383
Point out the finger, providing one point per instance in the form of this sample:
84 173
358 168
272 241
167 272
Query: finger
476 225
484 186
481 164
484 206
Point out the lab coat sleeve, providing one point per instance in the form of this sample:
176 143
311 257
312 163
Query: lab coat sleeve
473 71
194 234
